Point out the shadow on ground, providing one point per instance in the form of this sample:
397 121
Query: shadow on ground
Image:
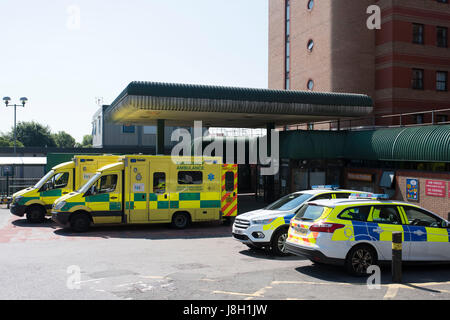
23 223
411 274
267 255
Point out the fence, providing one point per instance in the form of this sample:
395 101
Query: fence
9 187
430 117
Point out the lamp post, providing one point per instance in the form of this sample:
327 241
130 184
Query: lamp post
23 100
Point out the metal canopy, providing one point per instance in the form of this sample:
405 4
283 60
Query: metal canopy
143 103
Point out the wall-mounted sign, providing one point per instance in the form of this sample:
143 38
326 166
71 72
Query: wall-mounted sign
360 176
435 188
412 189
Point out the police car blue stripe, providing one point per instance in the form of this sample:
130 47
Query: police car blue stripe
287 219
360 231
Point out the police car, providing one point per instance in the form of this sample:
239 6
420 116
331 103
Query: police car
268 227
357 232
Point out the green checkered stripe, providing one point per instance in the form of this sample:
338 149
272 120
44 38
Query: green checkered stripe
173 204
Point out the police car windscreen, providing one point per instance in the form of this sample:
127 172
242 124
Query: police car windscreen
309 212
289 202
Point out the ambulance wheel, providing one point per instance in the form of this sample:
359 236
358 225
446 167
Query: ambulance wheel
278 243
80 222
180 220
359 259
36 214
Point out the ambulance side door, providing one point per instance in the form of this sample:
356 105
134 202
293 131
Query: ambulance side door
159 193
104 199
138 187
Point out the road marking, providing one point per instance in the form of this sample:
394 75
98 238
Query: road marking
235 293
259 293
392 291
311 282
92 280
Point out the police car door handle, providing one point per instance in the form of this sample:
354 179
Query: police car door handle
419 232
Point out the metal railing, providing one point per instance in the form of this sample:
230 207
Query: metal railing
11 186
421 118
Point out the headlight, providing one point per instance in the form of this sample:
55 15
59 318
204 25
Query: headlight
264 221
59 205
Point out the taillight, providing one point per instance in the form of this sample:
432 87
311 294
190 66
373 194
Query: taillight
325 227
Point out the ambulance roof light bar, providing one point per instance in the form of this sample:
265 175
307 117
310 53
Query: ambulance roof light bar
371 196
330 187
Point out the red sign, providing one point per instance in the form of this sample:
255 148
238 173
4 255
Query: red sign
435 188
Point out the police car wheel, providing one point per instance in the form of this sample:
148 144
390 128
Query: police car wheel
180 220
80 222
36 214
359 259
278 244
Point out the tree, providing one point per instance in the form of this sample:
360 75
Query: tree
33 134
87 141
64 140
5 141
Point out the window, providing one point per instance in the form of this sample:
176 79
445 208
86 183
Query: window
309 212
58 181
229 181
289 202
325 196
417 79
419 118
356 214
442 118
418 30
159 182
342 195
442 37
310 84
442 1
417 217
310 45
107 184
190 177
287 45
310 5
128 129
441 81
386 215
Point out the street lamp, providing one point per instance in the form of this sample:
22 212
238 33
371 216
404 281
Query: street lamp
7 100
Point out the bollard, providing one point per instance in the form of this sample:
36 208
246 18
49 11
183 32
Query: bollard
397 257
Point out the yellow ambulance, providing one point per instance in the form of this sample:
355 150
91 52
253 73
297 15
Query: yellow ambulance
152 189
36 202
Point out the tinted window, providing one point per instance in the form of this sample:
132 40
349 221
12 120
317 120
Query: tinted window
342 195
159 182
357 213
190 177
417 217
289 202
309 212
386 214
229 181
325 196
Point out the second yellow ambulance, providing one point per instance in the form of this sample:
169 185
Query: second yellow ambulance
143 189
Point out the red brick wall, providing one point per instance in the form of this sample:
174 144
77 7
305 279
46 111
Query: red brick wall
437 205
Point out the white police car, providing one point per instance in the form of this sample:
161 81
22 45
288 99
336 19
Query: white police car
357 232
268 227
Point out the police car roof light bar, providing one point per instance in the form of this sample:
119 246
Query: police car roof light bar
330 186
372 196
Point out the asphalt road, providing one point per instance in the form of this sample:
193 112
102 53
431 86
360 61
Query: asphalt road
156 262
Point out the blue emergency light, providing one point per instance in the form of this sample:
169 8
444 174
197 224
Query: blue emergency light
371 196
330 186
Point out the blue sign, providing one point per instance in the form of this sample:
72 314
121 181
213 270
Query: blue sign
412 189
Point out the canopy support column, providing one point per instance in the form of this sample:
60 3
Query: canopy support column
160 138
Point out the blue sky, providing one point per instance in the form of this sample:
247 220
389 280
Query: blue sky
62 67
